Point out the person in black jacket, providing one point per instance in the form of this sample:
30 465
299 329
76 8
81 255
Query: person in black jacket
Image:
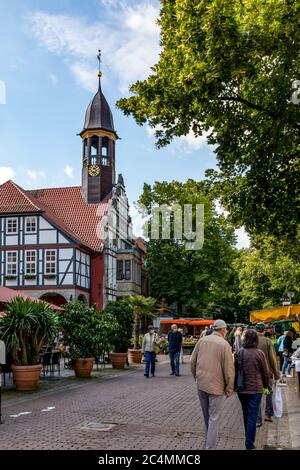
174 346
287 352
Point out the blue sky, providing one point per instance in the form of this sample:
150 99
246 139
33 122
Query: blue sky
49 67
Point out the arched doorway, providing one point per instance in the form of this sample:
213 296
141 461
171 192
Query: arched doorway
82 298
54 298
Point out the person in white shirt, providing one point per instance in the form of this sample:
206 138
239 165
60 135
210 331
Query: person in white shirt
150 347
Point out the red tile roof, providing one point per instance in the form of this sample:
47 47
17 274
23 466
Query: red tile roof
65 207
14 199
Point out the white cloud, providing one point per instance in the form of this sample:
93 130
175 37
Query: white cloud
190 143
6 174
186 143
129 41
137 222
243 240
34 175
53 78
69 171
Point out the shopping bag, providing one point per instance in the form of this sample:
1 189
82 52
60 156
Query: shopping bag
277 402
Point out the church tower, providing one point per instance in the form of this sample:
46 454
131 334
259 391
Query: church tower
98 139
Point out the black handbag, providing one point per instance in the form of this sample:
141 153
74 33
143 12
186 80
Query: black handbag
239 378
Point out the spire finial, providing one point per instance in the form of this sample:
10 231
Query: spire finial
99 72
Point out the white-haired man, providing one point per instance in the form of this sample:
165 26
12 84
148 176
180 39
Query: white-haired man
213 369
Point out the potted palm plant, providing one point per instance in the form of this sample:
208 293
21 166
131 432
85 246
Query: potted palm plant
121 338
87 334
142 307
26 326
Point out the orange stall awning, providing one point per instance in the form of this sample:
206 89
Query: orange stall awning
175 322
202 322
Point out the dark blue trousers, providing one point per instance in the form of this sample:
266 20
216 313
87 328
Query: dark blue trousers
250 404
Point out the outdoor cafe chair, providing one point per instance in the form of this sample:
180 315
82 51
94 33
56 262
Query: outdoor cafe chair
55 361
46 362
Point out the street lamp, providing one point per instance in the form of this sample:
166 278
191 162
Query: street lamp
290 296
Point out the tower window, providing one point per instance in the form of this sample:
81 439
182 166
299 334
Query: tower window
104 147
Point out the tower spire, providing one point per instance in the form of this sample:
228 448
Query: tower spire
99 71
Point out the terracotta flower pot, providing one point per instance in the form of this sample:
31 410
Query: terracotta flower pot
26 377
84 366
118 360
135 356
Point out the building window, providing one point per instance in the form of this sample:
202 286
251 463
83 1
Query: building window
128 270
30 268
30 224
50 262
11 263
120 270
12 225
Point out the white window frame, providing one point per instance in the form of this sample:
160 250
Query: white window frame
30 263
11 263
33 221
51 271
8 220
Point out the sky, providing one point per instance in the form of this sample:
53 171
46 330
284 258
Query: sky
48 76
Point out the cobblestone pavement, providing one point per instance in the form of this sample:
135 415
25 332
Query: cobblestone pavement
156 413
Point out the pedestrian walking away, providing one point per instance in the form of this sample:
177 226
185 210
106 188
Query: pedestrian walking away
150 347
174 346
251 363
213 369
267 347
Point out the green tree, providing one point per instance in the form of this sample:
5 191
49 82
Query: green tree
227 68
86 331
123 313
266 275
142 307
191 278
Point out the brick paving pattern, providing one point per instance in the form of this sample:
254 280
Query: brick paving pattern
157 413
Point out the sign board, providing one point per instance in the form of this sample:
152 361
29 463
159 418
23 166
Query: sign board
2 353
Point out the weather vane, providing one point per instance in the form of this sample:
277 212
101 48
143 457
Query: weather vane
99 59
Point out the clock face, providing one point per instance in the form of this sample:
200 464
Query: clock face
94 170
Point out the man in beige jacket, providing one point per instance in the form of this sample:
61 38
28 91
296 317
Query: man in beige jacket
213 369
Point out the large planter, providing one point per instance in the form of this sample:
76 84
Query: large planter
26 378
135 356
84 366
118 360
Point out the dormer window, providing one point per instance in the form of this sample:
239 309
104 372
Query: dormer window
12 225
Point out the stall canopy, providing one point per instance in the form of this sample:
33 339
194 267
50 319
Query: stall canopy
289 312
175 322
193 322
6 295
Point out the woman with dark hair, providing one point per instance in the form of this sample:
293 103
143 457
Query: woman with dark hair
250 364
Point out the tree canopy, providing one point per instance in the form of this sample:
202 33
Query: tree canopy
266 275
227 68
194 279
